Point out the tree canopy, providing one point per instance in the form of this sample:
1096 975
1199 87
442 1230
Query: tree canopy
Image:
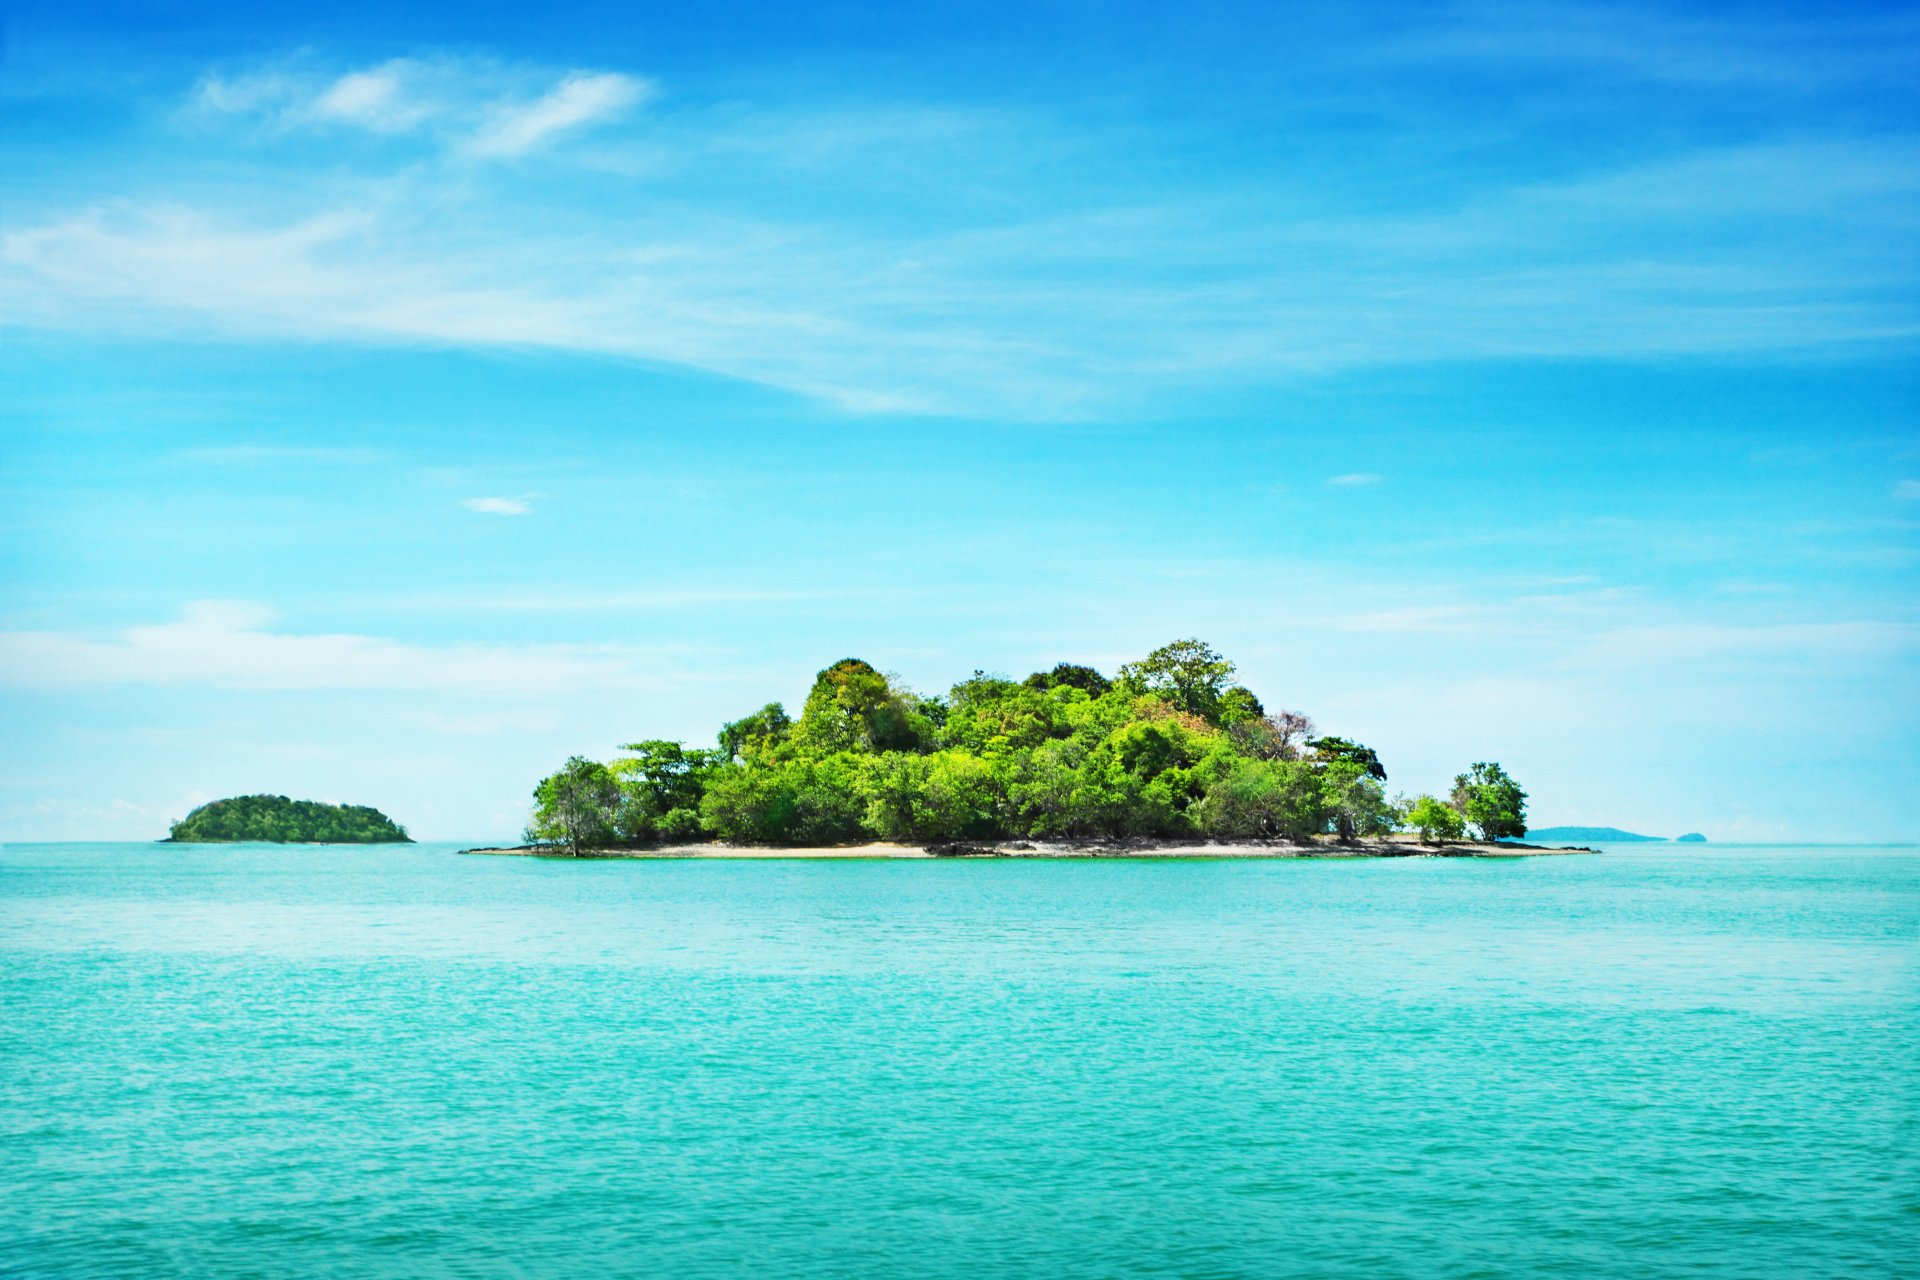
583 807
1170 747
1435 820
1491 801
278 820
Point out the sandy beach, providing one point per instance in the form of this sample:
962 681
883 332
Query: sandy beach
1371 848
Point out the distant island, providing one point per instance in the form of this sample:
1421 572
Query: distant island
1613 835
1170 748
278 820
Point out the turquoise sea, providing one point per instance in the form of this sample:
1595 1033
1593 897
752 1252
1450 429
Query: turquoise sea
256 1061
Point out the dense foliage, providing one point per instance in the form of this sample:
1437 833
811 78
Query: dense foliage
1170 746
1491 802
279 820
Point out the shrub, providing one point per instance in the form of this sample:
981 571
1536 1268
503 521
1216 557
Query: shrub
679 824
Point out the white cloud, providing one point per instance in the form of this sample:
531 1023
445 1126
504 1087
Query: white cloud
1354 480
245 94
229 644
497 506
375 99
922 300
581 98
1907 491
1693 642
481 107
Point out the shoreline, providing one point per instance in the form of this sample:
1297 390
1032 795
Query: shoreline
1053 849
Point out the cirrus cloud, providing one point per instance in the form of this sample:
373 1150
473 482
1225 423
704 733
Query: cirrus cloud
485 109
498 506
233 645
581 98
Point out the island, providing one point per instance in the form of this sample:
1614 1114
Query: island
1611 835
278 820
1169 755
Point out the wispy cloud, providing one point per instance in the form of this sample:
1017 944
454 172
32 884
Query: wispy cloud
1354 480
478 108
232 644
579 99
770 245
498 506
1907 491
377 99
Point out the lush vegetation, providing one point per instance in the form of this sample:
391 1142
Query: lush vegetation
1169 746
283 821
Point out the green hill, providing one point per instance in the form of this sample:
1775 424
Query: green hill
278 820
1612 834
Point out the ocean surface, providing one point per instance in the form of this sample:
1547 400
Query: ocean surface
258 1061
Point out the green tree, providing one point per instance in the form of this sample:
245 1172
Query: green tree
575 807
1435 820
852 707
1069 675
1330 750
1040 786
756 735
1264 798
942 796
797 801
1187 673
1355 801
679 825
1491 801
749 803
1238 705
668 774
989 716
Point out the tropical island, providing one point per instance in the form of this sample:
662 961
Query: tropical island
1169 750
278 820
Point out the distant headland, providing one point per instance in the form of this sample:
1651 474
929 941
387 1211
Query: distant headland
1169 752
278 820
1610 835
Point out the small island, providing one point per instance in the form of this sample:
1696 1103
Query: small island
278 820
1168 756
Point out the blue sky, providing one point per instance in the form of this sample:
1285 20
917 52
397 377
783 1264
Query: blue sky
402 398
